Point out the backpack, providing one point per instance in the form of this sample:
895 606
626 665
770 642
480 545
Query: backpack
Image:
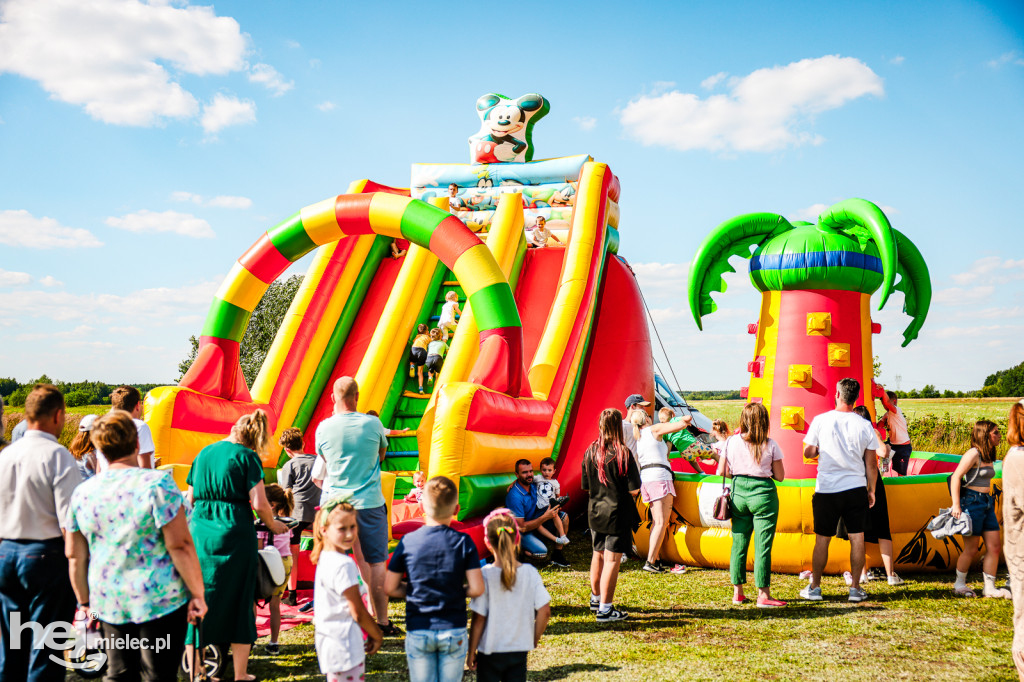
270 573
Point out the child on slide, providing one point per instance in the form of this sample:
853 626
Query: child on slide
449 311
436 351
418 354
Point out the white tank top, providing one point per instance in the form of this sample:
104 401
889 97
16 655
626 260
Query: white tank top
651 451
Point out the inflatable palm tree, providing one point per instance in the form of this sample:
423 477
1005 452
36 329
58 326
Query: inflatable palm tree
815 324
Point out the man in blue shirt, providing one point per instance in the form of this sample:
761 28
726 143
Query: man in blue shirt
521 500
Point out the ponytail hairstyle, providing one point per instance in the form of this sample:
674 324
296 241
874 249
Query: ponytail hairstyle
323 517
610 444
720 426
638 418
502 538
754 425
981 439
253 431
280 499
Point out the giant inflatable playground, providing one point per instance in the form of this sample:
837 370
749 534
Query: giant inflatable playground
549 337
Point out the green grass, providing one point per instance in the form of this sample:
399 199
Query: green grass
684 627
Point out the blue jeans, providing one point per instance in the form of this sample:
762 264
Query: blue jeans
533 542
34 584
436 655
982 509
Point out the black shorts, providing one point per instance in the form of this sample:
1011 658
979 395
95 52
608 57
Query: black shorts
603 542
849 505
434 363
418 356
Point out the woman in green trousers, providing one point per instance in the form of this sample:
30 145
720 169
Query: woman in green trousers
754 462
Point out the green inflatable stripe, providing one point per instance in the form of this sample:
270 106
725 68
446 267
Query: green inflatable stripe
226 320
380 246
613 239
494 307
480 494
291 239
419 222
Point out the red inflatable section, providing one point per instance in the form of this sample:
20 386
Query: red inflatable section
618 363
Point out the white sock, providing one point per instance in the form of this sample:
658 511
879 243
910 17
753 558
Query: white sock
990 581
563 540
604 608
961 579
595 597
273 643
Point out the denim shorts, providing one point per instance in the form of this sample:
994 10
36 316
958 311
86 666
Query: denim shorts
373 533
436 655
982 509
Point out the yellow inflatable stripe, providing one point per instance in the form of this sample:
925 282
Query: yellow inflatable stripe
475 269
321 222
767 341
573 281
391 335
241 288
866 353
386 213
489 453
448 453
612 214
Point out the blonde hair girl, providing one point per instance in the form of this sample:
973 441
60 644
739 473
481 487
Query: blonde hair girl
514 596
339 611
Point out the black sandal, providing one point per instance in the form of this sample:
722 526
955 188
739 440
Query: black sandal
390 630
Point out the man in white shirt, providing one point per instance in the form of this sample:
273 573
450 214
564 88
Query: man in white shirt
37 477
633 402
846 447
129 399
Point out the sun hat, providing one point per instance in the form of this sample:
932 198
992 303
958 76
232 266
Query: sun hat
86 423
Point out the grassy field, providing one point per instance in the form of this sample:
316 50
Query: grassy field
967 409
685 628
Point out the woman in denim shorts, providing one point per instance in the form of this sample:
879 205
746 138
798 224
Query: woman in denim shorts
969 489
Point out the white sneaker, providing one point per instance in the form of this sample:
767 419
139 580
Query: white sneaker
895 580
562 540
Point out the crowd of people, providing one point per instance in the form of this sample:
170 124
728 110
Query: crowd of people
105 531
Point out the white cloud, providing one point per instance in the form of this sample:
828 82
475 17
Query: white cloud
226 111
585 123
293 44
267 76
710 82
21 228
230 202
764 111
222 201
168 221
326 106
186 196
991 270
314 63
897 60
108 56
50 281
1012 57
9 278
957 296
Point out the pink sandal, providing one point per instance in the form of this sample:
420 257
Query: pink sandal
770 603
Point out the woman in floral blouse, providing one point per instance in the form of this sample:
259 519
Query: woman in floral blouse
132 560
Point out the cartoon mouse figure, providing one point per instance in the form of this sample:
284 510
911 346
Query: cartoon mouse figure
506 128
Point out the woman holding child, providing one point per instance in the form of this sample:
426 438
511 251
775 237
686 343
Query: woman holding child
754 462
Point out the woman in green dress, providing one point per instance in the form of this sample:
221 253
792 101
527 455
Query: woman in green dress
226 486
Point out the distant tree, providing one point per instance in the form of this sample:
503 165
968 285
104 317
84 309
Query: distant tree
77 398
948 394
929 391
266 319
8 386
877 367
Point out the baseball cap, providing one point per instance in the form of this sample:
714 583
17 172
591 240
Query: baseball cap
86 423
636 399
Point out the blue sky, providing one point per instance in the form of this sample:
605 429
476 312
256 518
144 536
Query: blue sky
145 146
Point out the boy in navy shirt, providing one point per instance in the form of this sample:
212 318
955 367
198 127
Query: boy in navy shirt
439 562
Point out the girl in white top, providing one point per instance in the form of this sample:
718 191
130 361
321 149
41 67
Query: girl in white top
720 430
514 599
339 612
448 313
657 482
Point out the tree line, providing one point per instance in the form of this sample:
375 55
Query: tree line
76 393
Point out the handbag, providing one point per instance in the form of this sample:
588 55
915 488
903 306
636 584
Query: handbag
723 505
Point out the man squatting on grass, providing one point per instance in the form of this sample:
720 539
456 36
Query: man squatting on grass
846 448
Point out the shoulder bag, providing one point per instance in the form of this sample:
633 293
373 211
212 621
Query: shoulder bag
723 505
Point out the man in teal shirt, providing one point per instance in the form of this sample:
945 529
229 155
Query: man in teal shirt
353 446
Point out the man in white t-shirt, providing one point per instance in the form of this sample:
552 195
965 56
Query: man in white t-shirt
633 402
846 447
129 399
